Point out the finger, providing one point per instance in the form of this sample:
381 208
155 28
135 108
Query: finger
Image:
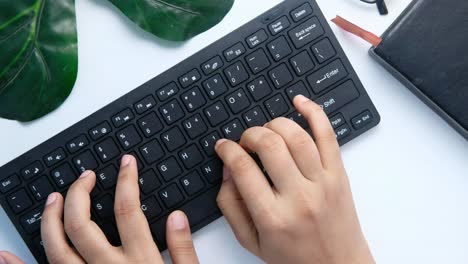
133 227
179 239
247 176
300 145
85 235
53 235
275 157
325 137
8 258
232 206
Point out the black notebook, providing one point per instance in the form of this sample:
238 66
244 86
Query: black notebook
427 49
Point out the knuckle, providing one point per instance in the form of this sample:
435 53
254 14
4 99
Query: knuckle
270 142
242 163
183 247
73 227
301 139
126 208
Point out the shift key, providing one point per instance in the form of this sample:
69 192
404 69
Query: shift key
338 97
326 76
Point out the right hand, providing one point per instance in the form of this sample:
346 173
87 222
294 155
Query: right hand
308 216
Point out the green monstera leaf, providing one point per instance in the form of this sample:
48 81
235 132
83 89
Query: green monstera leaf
175 20
38 56
38 45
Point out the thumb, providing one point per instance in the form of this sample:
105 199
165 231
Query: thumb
8 258
179 239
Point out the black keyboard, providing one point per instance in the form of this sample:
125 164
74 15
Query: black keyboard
172 122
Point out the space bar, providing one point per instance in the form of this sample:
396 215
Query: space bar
197 210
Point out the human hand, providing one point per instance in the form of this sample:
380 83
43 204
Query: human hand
90 242
308 216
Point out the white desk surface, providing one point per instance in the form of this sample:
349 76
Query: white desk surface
409 175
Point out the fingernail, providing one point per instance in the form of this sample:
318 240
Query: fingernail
126 159
2 260
50 199
226 174
220 141
301 99
84 174
178 221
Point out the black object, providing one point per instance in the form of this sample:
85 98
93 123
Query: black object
172 122
425 49
381 6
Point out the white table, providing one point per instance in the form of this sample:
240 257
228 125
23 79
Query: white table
409 175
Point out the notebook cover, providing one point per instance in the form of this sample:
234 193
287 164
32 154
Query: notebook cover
427 49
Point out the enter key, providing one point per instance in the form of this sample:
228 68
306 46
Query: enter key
326 76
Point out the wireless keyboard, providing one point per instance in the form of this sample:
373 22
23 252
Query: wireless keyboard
172 122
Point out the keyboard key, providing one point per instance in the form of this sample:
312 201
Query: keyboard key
145 104
306 32
150 124
216 114
195 126
192 183
257 61
326 76
172 112
189 78
279 25
342 132
233 130
31 221
279 48
41 188
257 38
362 120
173 139
53 158
85 161
77 144
104 207
152 151
151 208
213 170
301 12
9 183
323 50
208 143
169 169
63 175
190 156
277 106
212 65
148 181
337 120
297 89
128 137
19 201
171 196
122 118
100 131
107 150
36 168
299 119
236 74
259 88
302 63
215 86
39 245
237 101
234 52
108 176
167 91
338 97
255 117
193 99
280 76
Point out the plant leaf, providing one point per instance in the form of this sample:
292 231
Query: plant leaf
38 56
175 20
